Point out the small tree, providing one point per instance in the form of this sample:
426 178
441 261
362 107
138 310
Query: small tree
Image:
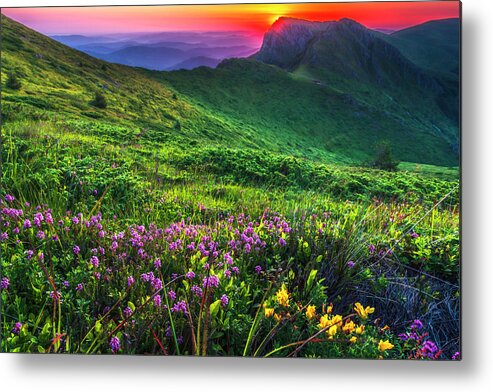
384 159
13 82
99 100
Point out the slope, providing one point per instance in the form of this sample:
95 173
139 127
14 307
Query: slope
242 104
59 82
432 45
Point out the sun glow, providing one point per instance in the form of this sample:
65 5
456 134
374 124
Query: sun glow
273 19
275 11
255 18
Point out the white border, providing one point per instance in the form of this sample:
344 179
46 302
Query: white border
78 373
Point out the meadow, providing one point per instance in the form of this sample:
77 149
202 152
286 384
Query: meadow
153 225
219 252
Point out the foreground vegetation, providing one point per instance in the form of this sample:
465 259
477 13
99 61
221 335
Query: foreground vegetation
114 247
127 226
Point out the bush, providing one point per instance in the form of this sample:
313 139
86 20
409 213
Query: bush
384 159
99 100
13 82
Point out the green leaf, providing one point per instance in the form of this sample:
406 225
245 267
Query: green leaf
214 308
311 279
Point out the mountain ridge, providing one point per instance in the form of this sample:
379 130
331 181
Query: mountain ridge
244 104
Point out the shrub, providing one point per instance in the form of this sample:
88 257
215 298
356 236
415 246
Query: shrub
13 82
99 100
384 159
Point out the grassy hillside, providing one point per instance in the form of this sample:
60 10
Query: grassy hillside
185 217
243 104
59 82
314 120
433 45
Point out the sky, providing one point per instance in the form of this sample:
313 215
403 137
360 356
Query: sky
250 18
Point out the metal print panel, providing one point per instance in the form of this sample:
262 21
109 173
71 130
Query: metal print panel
261 180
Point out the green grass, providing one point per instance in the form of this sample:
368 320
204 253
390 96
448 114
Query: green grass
242 104
169 152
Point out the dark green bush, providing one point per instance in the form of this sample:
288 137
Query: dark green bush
99 100
384 159
13 82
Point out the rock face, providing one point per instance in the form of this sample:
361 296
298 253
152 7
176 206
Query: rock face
287 40
342 48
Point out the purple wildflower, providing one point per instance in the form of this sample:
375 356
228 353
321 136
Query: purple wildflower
403 336
115 344
429 349
196 290
9 198
95 261
157 301
4 284
282 241
127 312
130 281
55 295
27 224
351 264
190 275
456 356
80 287
66 283
224 300
417 325
211 281
172 295
180 306
17 328
157 284
258 269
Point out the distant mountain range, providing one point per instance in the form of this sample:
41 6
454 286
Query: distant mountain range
166 50
324 91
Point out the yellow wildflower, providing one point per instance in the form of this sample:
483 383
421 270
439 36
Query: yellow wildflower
385 328
353 339
363 312
269 312
383 346
282 296
332 331
337 320
324 322
310 312
329 309
359 330
348 327
277 317
333 324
